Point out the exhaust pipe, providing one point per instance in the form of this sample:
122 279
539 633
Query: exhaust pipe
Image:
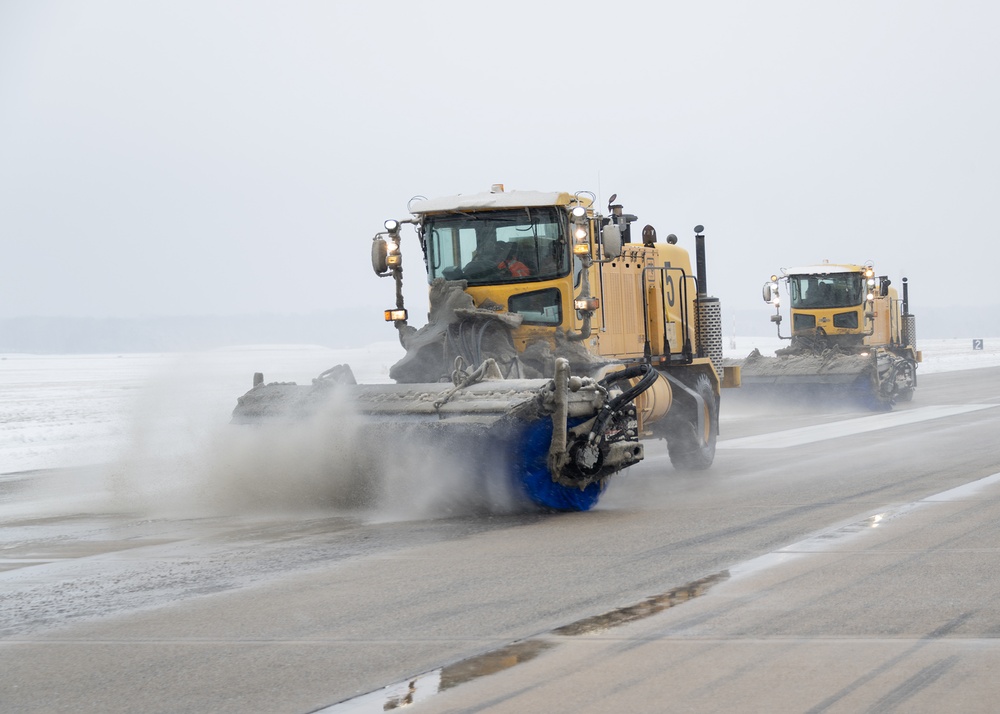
909 320
699 249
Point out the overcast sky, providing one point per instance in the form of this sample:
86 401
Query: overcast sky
215 158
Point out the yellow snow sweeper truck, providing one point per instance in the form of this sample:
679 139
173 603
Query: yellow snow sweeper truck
556 340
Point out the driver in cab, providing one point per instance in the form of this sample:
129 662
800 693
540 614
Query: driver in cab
495 258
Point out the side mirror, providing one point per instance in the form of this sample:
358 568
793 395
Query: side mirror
611 240
766 292
379 252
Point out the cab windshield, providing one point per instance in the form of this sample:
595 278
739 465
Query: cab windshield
526 244
826 291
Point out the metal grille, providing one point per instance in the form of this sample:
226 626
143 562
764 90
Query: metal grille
910 330
710 327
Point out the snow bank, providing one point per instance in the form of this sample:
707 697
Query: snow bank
71 410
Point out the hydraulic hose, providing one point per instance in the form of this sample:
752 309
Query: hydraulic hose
649 376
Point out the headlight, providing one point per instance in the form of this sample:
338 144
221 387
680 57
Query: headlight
391 225
871 282
579 212
393 258
870 297
581 244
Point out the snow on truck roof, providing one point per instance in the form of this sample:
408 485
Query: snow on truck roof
825 268
500 199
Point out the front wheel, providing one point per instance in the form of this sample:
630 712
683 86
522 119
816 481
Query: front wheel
691 444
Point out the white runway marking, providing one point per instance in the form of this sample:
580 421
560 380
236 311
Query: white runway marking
830 540
849 427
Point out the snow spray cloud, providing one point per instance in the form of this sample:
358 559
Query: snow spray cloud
341 460
335 459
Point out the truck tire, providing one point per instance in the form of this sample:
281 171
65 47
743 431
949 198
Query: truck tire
905 394
689 449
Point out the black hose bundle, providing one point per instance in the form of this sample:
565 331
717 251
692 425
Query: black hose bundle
649 375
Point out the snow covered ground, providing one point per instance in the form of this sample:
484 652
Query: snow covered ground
73 410
69 410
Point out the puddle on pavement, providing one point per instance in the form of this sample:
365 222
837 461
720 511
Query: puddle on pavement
427 685
648 607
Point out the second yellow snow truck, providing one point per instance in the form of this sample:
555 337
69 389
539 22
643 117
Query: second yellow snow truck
850 332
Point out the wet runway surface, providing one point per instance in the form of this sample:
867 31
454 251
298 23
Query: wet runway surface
820 574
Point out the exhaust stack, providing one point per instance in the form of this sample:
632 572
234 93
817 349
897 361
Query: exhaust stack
699 248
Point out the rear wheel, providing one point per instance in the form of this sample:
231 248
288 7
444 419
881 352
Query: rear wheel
692 446
908 381
876 398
